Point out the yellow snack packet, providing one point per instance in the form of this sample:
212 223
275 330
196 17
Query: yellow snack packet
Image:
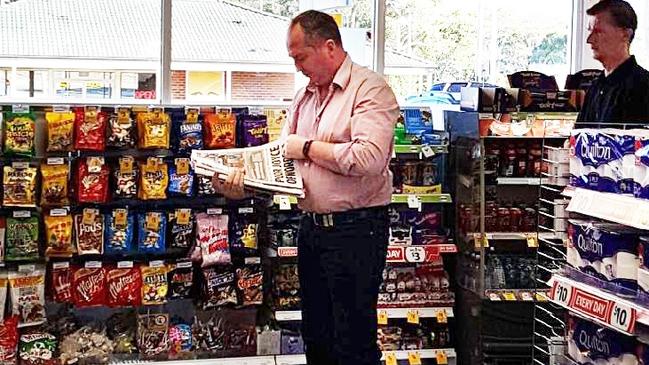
154 179
54 188
58 232
153 129
60 129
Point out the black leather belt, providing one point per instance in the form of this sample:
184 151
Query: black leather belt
347 217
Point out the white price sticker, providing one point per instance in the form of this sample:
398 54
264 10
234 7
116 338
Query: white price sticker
61 265
20 108
125 264
60 108
215 211
246 210
55 161
20 164
427 151
252 260
26 268
415 254
414 202
93 265
58 212
561 293
22 214
183 264
284 202
156 263
622 317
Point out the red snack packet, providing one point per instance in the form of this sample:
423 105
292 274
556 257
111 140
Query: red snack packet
89 287
220 130
8 340
61 282
124 286
90 129
92 180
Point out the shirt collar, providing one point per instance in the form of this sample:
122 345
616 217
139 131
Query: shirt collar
341 78
622 71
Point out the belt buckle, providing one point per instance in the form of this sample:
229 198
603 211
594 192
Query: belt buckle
323 220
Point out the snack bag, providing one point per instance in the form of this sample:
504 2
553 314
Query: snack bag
212 238
119 231
189 132
205 187
61 275
154 285
22 238
4 283
254 130
151 233
58 232
19 134
181 178
180 276
8 340
219 287
89 286
90 232
181 229
124 286
250 280
3 247
121 129
125 178
153 129
154 179
28 296
60 129
275 120
243 234
220 130
54 186
90 129
37 348
92 180
181 341
19 185
153 335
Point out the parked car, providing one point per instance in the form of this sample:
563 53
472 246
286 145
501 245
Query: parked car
454 88
446 93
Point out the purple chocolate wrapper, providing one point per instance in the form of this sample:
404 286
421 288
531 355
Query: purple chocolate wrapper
255 130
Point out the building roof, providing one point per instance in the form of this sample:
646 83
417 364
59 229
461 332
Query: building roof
203 31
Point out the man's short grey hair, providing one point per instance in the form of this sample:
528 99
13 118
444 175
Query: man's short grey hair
318 27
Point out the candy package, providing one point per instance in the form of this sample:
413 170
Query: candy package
37 348
276 119
220 130
90 129
253 130
287 287
86 346
154 285
209 332
124 286
153 335
8 340
22 238
19 186
121 328
61 284
180 341
205 187
250 281
28 296
58 235
153 129
181 229
89 286
227 332
152 227
121 129
119 231
60 129
125 186
180 276
89 227
3 247
154 179
4 283
19 134
181 178
92 180
54 185
212 238
243 234
189 132
219 287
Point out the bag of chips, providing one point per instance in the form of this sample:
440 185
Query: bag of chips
205 187
119 231
8 340
153 129
154 179
153 335
181 178
4 282
250 280
180 342
152 227
181 229
124 286
180 276
275 119
254 130
3 229
38 348
92 180
19 185
243 234
54 186
89 286
220 130
90 129
22 238
28 296
60 129
212 238
90 232
61 282
121 129
58 232
125 179
219 287
121 328
189 131
19 134
154 285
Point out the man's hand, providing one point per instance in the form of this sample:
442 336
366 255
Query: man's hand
232 187
294 145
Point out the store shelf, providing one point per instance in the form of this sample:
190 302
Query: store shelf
399 355
285 202
521 181
616 208
405 148
597 305
253 360
514 295
418 253
423 198
391 313
532 238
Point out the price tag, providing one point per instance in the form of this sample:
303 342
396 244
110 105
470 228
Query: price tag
59 212
246 210
20 108
125 264
441 358
93 265
480 240
526 296
153 221
532 241
120 218
55 161
215 211
414 202
26 268
509 296
284 202
183 264
95 164
60 108
494 297
91 114
427 151
192 115
623 317
183 215
123 116
382 317
414 358
89 216
561 293
182 166
22 214
252 260
126 164
413 316
540 297
153 161
441 316
390 358
61 265
156 263
20 165
415 254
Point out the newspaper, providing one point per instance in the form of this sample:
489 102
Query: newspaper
265 167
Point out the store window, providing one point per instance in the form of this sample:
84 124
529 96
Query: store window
4 81
640 45
83 84
135 85
30 83
205 86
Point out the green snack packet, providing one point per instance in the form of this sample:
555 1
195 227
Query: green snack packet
22 239
37 348
19 133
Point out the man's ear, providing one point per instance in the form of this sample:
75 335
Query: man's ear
330 44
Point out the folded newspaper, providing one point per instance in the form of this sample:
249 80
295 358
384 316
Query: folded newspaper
265 167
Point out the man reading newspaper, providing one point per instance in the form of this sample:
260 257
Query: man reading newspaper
341 135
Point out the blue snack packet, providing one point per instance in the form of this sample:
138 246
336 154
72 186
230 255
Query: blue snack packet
152 227
118 238
188 132
181 178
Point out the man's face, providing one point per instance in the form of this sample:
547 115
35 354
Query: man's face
606 40
313 59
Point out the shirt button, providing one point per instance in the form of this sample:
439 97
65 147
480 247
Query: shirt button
601 92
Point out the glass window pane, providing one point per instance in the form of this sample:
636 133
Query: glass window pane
640 45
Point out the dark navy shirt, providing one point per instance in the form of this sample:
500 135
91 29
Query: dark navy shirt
621 97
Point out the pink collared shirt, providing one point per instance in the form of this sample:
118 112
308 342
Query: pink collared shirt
358 115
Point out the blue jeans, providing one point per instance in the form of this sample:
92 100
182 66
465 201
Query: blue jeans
340 271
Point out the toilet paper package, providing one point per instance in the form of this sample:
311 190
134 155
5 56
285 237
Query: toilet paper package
596 160
589 343
606 251
643 267
641 167
625 141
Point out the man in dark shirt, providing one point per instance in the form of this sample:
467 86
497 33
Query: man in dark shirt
621 94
